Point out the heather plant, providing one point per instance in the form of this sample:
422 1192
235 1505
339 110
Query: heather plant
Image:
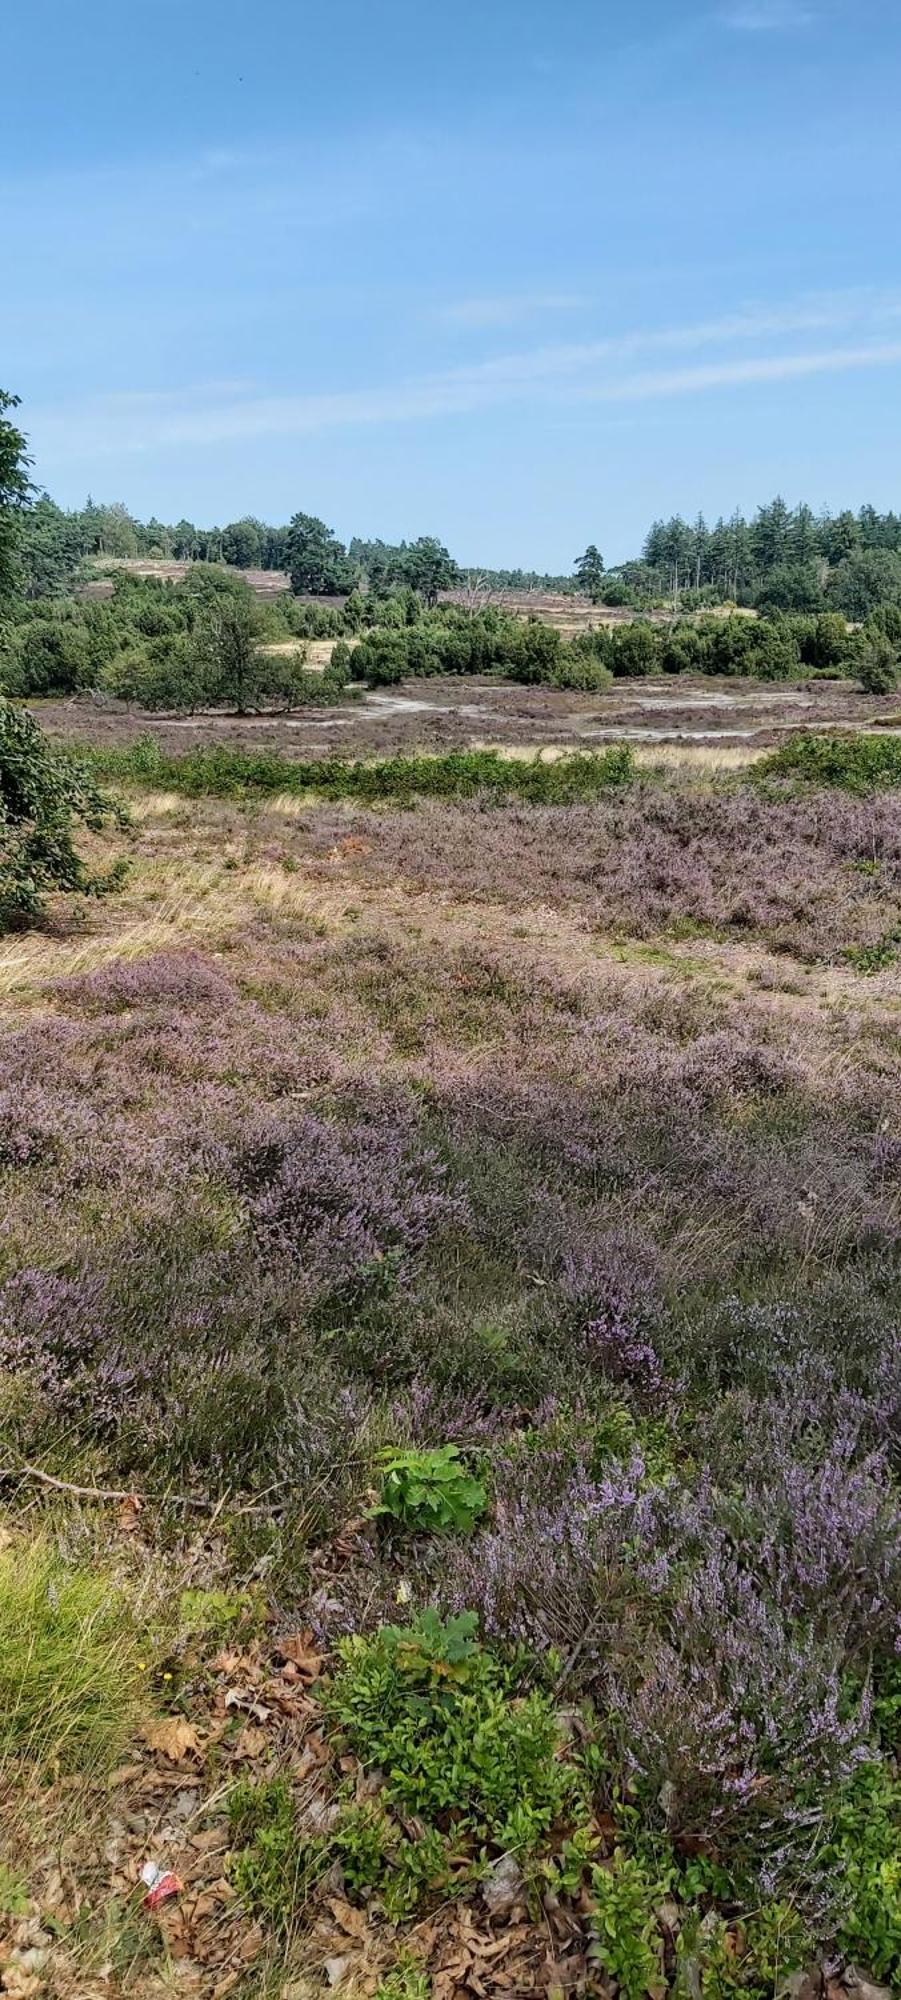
320 1208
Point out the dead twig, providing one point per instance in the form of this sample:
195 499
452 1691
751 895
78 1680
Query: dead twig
203 1506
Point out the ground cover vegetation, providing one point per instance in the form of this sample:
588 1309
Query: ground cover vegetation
458 1234
450 1383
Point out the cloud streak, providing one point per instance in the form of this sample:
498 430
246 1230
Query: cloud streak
766 17
590 373
509 310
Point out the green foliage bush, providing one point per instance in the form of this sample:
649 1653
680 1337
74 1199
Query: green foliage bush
864 1849
434 1710
853 763
271 1866
626 1939
431 1491
42 792
225 773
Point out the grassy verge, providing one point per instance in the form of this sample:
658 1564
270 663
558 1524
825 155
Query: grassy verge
226 773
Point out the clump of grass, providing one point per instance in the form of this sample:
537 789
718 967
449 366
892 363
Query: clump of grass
853 763
272 1868
69 1668
461 774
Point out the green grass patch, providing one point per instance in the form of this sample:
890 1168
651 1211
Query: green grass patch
69 1670
853 763
462 774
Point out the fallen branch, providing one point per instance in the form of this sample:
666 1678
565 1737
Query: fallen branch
26 1471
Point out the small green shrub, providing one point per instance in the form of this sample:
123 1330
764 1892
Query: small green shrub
875 957
430 1491
864 1850
406 1982
626 1939
69 1668
435 1710
749 1959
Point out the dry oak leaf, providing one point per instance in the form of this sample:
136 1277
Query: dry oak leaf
251 1743
352 1922
299 1650
173 1737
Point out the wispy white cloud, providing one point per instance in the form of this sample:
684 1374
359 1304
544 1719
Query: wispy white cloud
506 310
762 17
598 372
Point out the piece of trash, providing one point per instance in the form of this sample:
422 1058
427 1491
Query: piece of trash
160 1884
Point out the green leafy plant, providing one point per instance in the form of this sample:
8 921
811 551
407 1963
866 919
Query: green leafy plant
431 1491
854 763
436 1712
271 1866
407 1981
865 1853
743 1960
626 1939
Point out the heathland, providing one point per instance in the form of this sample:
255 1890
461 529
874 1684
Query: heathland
450 1383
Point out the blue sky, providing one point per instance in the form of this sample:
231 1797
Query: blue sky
522 276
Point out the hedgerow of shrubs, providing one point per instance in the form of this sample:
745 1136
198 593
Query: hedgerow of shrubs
852 763
460 774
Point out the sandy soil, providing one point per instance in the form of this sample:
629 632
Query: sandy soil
458 713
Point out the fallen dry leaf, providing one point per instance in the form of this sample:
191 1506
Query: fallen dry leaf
251 1743
173 1738
299 1650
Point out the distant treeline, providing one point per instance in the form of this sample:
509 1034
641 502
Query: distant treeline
206 641
783 559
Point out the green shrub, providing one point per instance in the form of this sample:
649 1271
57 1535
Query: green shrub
750 1959
271 1866
69 1669
626 1939
462 774
853 763
430 1490
41 793
435 1711
877 663
406 1982
864 1851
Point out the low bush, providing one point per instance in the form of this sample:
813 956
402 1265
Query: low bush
430 1491
853 763
463 774
440 1716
